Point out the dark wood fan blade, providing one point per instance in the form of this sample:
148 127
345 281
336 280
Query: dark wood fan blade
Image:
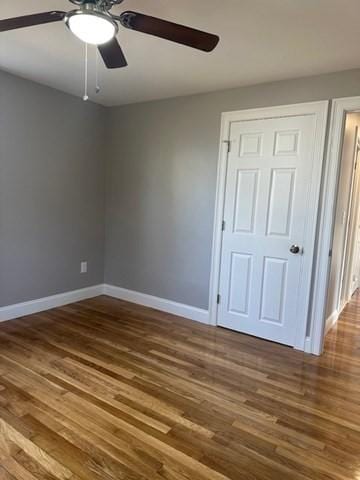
169 31
31 20
112 54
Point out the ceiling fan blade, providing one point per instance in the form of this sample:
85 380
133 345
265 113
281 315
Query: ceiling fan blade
31 20
169 31
112 54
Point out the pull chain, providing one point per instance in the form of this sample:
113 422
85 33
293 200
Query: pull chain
86 96
97 82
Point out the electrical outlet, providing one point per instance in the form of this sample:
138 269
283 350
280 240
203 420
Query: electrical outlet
83 267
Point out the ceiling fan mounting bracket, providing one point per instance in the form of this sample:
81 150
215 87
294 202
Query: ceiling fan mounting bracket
102 4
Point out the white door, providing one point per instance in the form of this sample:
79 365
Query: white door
265 266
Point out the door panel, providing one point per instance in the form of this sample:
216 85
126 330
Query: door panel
241 268
280 211
268 184
273 291
245 200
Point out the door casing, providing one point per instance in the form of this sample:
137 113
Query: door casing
320 110
351 231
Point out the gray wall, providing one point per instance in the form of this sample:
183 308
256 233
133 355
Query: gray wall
342 212
51 191
161 179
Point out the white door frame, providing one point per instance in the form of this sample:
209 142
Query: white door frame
341 107
320 109
354 240
351 230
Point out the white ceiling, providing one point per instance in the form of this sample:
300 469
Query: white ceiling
261 40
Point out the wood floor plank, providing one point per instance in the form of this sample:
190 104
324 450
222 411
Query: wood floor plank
107 390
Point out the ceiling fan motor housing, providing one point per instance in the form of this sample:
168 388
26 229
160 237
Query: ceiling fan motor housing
102 4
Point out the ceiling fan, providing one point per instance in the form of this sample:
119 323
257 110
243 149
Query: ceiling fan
94 23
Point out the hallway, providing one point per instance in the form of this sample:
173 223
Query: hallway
342 346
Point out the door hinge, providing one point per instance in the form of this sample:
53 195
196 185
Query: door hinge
228 143
218 299
223 225
330 253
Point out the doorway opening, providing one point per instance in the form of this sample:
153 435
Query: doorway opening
344 280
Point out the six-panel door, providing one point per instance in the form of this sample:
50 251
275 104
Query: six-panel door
266 209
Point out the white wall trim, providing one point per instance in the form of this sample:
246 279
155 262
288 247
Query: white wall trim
320 109
11 312
340 108
331 321
307 348
35 306
168 306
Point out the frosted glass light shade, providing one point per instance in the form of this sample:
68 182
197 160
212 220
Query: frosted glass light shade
92 28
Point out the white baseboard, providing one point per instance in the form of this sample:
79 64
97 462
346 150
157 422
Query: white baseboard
35 306
193 313
331 321
39 305
308 347
168 306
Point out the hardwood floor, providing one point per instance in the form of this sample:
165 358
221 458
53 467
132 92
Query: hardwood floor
104 390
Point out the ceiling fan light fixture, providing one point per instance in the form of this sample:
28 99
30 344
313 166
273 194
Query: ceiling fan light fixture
91 26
